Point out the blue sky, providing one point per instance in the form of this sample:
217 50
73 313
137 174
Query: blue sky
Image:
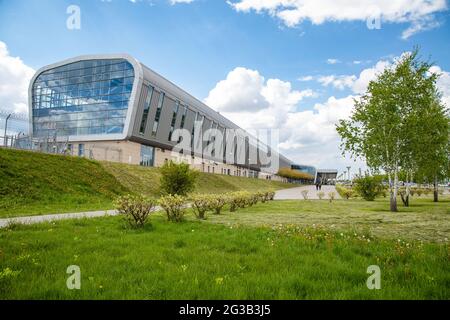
199 44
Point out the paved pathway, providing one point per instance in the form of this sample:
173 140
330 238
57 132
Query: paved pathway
296 193
54 217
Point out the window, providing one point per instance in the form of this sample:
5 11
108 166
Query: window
158 114
183 117
176 107
81 150
147 156
148 101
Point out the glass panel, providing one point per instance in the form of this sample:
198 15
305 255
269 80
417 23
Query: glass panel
147 103
82 98
147 156
158 114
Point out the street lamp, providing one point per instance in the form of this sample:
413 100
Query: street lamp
6 128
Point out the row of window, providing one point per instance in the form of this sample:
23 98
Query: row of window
78 131
71 102
101 108
39 83
73 89
79 123
83 68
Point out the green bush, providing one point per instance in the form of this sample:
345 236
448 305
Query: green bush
368 187
177 178
201 203
239 199
321 194
271 195
135 208
218 201
344 192
174 206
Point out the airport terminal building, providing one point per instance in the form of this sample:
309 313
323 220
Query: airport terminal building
113 108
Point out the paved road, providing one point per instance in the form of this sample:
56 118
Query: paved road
296 193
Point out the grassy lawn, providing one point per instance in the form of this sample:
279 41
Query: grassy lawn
249 254
423 220
36 183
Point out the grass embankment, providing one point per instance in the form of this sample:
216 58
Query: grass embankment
35 183
203 260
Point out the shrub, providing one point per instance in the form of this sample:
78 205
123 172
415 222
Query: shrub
344 192
239 199
174 206
262 196
368 187
271 195
321 194
331 195
419 192
200 204
305 194
177 178
218 202
135 208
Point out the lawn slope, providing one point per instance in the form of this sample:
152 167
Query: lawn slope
35 183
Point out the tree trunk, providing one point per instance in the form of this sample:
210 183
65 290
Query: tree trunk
394 194
436 190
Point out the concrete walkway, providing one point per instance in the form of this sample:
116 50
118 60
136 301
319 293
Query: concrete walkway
296 193
54 217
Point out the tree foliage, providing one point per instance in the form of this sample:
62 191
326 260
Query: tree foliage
400 123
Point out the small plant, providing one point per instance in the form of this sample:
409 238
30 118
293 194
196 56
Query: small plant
331 195
218 201
419 192
321 194
174 206
177 178
271 195
201 203
368 187
261 196
305 194
135 208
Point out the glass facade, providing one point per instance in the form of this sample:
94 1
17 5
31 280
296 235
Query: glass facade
158 114
82 98
305 169
147 156
148 101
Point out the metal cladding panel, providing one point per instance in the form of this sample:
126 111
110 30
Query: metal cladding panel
162 134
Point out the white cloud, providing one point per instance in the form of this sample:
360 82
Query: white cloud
293 12
339 82
443 84
333 61
15 77
305 136
173 2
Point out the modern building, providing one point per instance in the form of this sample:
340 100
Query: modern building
324 175
114 108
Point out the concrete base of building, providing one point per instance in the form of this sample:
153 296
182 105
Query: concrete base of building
129 152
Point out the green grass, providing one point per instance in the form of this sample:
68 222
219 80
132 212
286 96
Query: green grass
36 183
424 220
204 260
